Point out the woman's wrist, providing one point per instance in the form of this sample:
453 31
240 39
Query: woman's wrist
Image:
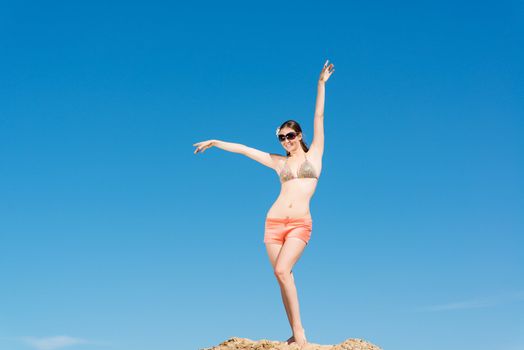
321 82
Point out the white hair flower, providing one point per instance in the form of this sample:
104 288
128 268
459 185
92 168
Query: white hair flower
278 129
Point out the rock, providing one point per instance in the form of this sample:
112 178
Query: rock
236 343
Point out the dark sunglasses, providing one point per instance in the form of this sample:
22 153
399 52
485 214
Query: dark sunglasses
290 136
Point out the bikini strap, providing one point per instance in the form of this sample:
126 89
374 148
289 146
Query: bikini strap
285 164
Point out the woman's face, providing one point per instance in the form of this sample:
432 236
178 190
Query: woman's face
290 145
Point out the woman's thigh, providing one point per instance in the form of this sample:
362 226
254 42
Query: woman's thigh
273 250
291 251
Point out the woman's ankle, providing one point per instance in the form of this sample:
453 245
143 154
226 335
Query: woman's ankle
298 329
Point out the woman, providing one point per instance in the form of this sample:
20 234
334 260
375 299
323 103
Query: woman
288 222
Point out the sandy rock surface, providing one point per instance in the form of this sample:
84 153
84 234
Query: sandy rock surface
248 344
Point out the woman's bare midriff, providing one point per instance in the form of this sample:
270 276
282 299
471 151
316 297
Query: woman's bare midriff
293 200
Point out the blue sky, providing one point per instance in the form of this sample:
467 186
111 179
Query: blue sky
114 235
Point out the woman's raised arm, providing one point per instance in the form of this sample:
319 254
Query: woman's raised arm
317 145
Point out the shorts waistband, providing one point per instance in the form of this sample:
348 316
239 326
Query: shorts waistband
301 219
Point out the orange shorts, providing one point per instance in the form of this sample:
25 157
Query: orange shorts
277 230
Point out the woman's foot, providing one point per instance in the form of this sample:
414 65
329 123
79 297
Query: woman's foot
299 337
290 340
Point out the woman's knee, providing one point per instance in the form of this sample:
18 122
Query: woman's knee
283 273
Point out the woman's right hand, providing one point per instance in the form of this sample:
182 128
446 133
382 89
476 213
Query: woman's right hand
327 70
202 146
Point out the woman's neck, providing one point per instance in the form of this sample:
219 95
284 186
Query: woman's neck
299 152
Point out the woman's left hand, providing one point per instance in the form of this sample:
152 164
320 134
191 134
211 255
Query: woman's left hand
327 70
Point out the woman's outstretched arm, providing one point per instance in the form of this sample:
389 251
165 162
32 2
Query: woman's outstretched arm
227 146
267 159
317 144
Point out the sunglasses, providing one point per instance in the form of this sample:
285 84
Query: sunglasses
290 136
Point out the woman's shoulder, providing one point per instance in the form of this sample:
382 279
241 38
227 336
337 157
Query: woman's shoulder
278 159
314 155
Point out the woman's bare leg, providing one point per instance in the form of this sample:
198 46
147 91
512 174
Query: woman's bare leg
273 250
286 259
286 304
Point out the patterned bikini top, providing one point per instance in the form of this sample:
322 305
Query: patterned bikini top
305 170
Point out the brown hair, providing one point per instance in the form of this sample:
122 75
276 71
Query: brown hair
296 127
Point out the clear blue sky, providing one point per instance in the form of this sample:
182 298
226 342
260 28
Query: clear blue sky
114 235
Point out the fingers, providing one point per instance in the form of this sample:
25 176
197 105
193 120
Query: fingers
326 64
329 68
198 148
202 146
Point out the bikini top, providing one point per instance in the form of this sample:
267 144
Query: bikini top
306 170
